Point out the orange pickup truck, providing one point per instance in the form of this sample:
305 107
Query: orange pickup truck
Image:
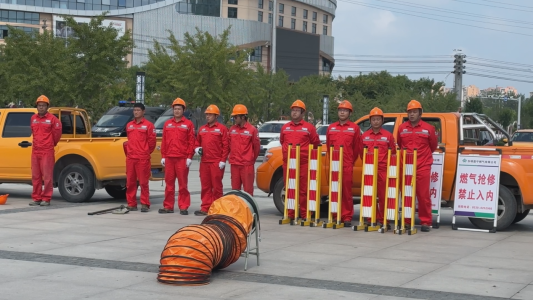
454 131
83 164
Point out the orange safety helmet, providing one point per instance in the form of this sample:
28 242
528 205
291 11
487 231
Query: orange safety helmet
178 101
213 109
376 112
345 104
42 98
239 109
414 104
298 104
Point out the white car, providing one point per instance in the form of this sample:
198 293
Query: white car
270 134
321 131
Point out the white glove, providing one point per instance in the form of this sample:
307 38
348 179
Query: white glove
188 163
163 161
221 165
197 149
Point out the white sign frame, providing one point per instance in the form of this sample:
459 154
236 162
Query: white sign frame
437 168
463 206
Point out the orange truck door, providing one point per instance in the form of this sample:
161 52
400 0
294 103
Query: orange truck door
15 146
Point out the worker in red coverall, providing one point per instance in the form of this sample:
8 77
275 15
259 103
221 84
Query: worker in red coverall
377 136
46 131
417 134
244 150
141 143
298 131
345 132
212 145
177 149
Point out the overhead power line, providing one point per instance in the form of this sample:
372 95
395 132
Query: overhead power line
498 77
501 67
419 16
499 62
508 4
517 9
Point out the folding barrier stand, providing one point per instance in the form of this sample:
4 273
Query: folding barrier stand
336 186
436 184
368 199
256 249
409 167
314 188
292 186
391 208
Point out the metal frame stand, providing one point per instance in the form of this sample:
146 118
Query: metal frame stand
256 249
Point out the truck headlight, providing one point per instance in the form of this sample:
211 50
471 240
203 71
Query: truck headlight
267 156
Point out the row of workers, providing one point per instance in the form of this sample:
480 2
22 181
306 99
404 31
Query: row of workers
412 134
214 143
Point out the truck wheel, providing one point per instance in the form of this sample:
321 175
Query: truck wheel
506 212
279 194
116 191
76 183
521 216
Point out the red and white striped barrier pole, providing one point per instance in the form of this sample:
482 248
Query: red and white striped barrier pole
336 186
409 167
291 201
368 201
391 208
314 188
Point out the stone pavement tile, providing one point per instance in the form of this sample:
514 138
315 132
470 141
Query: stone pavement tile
306 258
17 269
44 225
393 265
438 248
365 276
73 238
519 237
525 293
281 292
421 255
490 262
151 257
28 289
454 241
383 297
497 275
133 294
447 232
8 233
324 248
515 250
27 244
272 267
366 239
113 230
461 285
131 243
5 221
97 252
99 277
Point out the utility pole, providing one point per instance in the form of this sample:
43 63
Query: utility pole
519 112
273 40
459 71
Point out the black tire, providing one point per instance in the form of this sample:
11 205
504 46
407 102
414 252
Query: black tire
76 183
116 191
279 194
506 212
521 216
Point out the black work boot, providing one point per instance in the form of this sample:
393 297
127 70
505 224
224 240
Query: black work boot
200 213
35 203
132 208
144 208
425 228
184 212
165 210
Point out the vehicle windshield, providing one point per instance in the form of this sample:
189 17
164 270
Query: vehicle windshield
270 128
108 121
161 121
522 137
322 130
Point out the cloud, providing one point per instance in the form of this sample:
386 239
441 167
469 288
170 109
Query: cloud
383 22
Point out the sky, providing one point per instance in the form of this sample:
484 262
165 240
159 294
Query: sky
391 31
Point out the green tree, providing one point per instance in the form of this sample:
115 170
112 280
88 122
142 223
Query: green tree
506 117
526 113
474 105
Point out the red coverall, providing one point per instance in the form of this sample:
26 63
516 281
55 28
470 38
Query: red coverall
46 131
383 140
348 135
244 149
423 138
303 133
215 148
141 143
177 145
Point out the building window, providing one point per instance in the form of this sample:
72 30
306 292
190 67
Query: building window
255 55
293 11
325 30
210 8
314 16
270 18
233 2
260 3
304 26
325 19
281 8
18 16
260 16
305 14
270 6
326 65
232 12
293 22
314 28
281 21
